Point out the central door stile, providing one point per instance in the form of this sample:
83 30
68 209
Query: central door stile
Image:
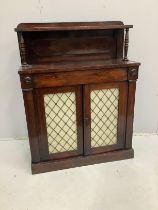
86 119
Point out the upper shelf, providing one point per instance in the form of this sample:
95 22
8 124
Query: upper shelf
71 26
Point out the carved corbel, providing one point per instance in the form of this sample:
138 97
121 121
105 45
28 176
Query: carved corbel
133 74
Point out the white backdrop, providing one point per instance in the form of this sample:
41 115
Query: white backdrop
143 48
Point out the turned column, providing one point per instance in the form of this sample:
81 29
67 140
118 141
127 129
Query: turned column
22 49
126 44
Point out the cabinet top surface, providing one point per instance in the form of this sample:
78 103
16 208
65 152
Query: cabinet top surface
77 65
22 27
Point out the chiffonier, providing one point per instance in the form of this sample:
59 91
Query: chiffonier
79 91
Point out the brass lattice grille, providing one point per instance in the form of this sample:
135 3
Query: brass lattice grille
104 117
60 111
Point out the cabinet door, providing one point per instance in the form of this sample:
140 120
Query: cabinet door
104 117
60 122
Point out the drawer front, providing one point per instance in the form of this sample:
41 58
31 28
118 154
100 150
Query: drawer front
79 77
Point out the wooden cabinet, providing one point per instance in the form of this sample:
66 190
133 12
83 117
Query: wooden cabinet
79 88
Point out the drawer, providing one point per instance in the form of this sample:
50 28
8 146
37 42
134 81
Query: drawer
56 79
78 77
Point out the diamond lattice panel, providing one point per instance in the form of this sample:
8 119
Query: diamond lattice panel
104 117
60 111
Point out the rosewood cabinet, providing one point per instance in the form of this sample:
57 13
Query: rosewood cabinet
79 89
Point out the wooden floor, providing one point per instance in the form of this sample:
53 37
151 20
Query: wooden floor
124 185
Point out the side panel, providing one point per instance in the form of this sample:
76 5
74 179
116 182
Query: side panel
132 78
31 117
